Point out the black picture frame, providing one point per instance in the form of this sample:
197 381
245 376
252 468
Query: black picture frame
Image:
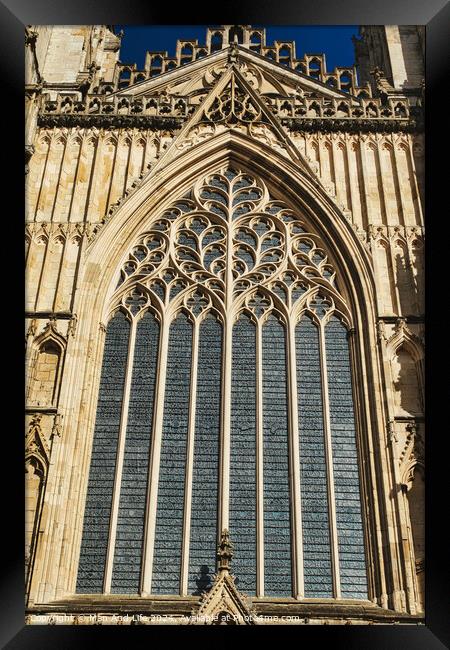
435 14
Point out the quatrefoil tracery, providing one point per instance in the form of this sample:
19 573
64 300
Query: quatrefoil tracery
230 218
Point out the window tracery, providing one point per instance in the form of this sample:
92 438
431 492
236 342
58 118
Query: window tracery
249 344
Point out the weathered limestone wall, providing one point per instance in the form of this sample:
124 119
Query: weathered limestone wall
75 176
377 181
64 52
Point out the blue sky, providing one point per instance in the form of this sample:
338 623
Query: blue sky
333 40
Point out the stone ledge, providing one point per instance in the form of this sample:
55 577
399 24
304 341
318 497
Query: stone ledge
116 605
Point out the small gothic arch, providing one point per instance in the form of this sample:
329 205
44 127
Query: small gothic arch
236 33
46 366
255 42
406 378
216 41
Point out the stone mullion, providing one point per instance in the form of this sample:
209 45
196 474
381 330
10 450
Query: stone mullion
365 200
81 248
128 141
111 175
353 200
144 154
76 176
224 481
259 466
330 470
320 147
62 160
119 462
189 464
78 201
115 191
409 261
95 165
46 254
398 185
43 296
397 305
334 172
37 166
47 167
381 192
59 280
413 179
294 455
69 273
155 453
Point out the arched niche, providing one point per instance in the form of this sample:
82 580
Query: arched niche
46 369
407 398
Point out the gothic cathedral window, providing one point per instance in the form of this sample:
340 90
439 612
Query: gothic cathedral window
226 398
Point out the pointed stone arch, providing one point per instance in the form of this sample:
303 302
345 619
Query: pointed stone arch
46 357
406 355
107 250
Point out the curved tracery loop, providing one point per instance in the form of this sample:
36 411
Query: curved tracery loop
232 106
230 217
200 246
145 257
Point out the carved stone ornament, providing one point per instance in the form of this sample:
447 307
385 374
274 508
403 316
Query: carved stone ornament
233 106
412 455
35 443
223 604
72 327
57 426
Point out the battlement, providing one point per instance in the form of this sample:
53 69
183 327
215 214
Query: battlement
248 37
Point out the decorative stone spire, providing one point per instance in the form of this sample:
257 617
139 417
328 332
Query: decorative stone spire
225 552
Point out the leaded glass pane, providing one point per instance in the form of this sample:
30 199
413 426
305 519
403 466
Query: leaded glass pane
203 534
313 470
352 563
133 490
276 262
170 510
243 455
277 534
103 460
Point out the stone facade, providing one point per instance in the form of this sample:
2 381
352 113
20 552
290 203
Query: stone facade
109 148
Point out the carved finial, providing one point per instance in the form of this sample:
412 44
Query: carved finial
233 53
30 37
29 151
72 328
35 420
381 83
377 73
392 432
56 429
381 330
32 327
225 551
400 325
92 69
